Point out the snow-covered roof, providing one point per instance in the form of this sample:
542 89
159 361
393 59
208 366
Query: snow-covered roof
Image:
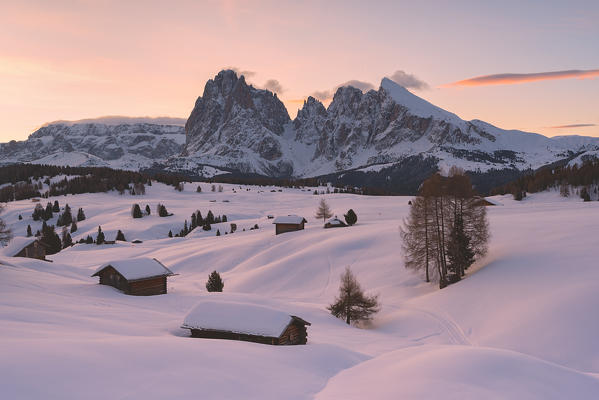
137 268
335 221
289 219
17 244
238 317
493 201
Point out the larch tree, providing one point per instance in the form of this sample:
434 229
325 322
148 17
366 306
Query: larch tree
352 304
323 211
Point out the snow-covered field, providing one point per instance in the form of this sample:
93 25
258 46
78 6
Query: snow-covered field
523 325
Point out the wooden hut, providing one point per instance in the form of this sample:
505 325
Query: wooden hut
246 322
29 247
289 223
485 201
135 276
335 223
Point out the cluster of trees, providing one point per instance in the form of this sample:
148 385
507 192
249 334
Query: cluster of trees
25 181
137 213
197 220
446 228
585 177
64 219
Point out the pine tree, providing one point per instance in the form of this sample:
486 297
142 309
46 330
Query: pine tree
199 218
56 207
351 217
584 194
136 211
210 217
29 234
170 234
89 240
80 215
100 237
73 227
148 211
50 239
218 232
459 253
351 304
194 223
48 212
20 217
67 241
162 212
215 283
206 226
323 210
38 212
120 236
224 218
67 217
199 189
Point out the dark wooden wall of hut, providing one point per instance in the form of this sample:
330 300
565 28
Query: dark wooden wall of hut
34 250
282 228
145 287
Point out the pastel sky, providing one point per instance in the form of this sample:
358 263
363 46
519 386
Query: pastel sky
529 65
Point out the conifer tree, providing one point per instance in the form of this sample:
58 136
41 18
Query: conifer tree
67 241
38 212
194 223
74 226
29 234
120 236
210 217
89 239
351 217
206 226
80 215
100 237
218 232
170 233
136 211
199 189
50 239
351 304
214 283
20 217
199 218
56 207
148 211
48 212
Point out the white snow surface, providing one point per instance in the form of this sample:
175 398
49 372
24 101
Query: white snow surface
137 268
234 316
521 324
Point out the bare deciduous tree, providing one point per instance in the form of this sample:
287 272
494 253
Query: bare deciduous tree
323 211
5 232
351 304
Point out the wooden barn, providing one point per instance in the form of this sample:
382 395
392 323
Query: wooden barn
289 223
29 247
335 223
135 276
245 322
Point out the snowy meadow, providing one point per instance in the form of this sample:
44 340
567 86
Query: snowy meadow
521 325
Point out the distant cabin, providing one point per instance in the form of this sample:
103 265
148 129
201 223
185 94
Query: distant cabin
335 223
289 223
135 276
484 201
29 247
245 322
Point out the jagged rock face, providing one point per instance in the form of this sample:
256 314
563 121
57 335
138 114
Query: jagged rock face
235 121
130 146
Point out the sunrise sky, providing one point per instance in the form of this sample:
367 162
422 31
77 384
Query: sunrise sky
529 65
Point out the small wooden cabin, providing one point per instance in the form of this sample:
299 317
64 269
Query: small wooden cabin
29 247
245 322
135 276
289 223
335 223
484 201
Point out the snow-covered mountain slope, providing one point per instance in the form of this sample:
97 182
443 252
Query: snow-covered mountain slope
114 144
519 326
237 126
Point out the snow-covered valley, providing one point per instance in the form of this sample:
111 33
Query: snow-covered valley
521 325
